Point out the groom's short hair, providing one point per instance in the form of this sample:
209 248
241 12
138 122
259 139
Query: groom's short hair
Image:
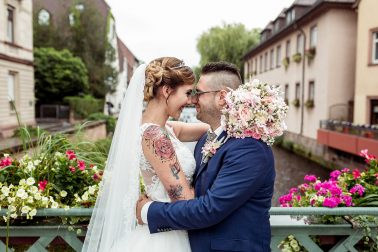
223 74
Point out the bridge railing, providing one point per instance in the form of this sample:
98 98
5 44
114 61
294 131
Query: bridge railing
281 223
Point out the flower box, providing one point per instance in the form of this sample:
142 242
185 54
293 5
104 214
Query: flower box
310 53
297 57
296 103
286 62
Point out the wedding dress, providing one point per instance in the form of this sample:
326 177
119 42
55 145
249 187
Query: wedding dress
140 239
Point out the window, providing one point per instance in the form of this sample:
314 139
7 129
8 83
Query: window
44 17
290 16
73 15
11 89
288 49
313 36
299 43
266 61
10 24
276 26
278 56
286 94
71 19
375 48
272 59
79 7
373 112
261 64
297 91
311 90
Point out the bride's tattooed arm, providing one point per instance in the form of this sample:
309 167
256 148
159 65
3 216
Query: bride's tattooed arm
159 151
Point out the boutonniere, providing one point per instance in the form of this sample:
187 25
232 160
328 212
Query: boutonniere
211 147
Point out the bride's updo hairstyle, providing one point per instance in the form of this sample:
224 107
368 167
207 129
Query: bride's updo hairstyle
168 71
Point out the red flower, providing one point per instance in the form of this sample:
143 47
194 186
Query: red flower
42 185
70 154
81 165
368 157
356 174
72 169
7 161
96 177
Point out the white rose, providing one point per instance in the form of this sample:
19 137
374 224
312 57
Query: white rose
33 212
30 181
30 199
25 209
14 216
5 190
22 182
20 192
37 196
85 196
78 231
12 208
91 190
45 199
6 155
11 200
33 190
63 193
54 205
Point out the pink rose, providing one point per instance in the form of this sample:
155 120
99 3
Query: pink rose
70 154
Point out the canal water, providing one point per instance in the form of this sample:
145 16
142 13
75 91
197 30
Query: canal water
290 170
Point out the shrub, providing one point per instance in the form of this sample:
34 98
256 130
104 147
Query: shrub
84 106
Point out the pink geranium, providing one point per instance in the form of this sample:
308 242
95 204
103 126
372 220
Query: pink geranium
81 165
7 161
70 154
356 174
42 185
357 189
310 178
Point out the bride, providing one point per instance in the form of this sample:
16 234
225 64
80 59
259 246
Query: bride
145 145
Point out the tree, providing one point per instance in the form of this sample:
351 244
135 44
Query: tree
83 31
228 42
58 74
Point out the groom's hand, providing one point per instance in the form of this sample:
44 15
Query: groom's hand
141 202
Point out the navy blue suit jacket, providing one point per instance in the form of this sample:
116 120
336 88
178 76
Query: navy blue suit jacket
233 197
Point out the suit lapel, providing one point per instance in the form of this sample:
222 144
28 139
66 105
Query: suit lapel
203 165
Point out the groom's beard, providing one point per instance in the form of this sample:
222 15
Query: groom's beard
209 114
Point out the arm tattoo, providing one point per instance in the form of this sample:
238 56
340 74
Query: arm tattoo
175 192
175 169
161 144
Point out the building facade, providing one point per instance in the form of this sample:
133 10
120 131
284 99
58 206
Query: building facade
300 50
366 90
16 65
47 11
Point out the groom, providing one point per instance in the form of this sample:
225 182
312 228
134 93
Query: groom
233 188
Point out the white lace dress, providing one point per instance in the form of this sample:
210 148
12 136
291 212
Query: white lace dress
140 240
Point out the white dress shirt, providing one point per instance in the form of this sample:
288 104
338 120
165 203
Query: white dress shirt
144 211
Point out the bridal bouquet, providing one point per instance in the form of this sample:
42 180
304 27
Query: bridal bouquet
255 109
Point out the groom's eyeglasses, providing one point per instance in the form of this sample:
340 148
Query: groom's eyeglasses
195 93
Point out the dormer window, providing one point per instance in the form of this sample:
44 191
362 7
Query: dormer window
276 26
290 16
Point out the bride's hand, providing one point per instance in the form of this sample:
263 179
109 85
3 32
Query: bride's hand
143 199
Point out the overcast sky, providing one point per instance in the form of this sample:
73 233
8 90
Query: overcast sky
159 28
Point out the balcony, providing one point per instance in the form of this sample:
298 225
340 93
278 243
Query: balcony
347 235
348 137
